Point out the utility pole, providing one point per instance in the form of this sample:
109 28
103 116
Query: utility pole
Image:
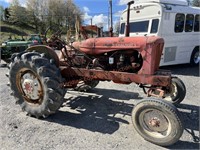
91 26
108 16
111 19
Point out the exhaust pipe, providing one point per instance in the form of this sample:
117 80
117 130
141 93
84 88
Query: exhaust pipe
128 19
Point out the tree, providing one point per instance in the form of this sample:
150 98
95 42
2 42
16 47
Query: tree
33 7
7 14
15 3
2 13
196 3
117 27
59 13
18 14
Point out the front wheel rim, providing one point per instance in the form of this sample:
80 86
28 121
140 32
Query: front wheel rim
171 95
155 123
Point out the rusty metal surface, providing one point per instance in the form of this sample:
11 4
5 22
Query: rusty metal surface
149 47
117 77
48 51
151 57
90 28
95 46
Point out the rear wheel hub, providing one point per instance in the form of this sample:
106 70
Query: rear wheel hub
155 121
30 86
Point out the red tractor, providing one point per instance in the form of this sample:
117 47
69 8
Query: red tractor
39 78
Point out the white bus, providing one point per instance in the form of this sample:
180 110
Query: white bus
173 20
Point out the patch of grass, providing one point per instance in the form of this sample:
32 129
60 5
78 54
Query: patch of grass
15 32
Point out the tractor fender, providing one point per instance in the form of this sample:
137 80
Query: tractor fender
48 51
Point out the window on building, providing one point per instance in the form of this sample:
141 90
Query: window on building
179 22
189 23
141 26
154 26
196 23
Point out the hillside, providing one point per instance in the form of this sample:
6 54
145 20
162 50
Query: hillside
13 31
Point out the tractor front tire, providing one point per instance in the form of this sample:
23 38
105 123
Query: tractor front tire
177 93
157 121
35 84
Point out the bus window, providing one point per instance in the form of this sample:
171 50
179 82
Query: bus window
189 23
122 28
196 23
179 22
141 26
154 27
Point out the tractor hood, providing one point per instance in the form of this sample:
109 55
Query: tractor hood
96 46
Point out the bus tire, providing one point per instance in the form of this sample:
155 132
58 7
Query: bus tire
195 57
157 121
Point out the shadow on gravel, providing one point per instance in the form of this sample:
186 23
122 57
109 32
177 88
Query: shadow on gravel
96 112
104 112
184 69
184 145
190 118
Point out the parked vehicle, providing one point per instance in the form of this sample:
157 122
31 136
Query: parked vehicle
15 46
39 79
175 21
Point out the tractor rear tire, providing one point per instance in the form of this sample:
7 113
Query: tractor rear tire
157 121
35 84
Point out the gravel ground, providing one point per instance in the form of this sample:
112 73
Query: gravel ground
99 120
